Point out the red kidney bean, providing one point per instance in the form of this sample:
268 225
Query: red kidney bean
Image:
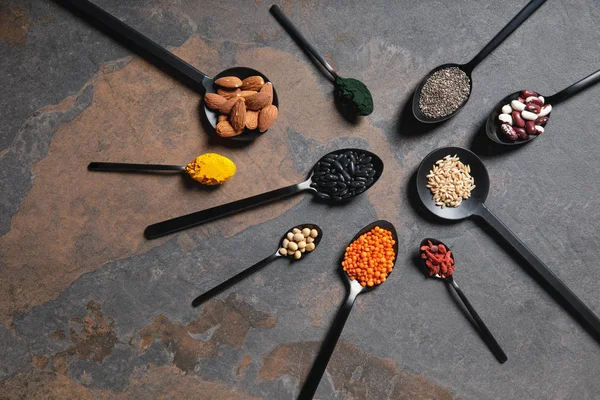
533 108
522 100
509 132
521 133
517 119
541 121
528 93
535 100
530 127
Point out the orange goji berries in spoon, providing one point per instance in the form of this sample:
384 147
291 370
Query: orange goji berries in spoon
438 259
370 258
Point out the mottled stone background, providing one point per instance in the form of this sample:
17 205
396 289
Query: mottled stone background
90 309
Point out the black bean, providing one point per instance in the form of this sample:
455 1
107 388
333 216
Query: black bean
361 179
369 181
332 177
352 157
371 173
357 184
325 164
342 192
313 184
327 184
361 173
366 160
346 175
367 166
337 165
360 190
328 160
324 195
341 185
347 195
336 198
352 168
342 159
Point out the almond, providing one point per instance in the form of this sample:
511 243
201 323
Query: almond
237 117
221 118
224 129
246 93
230 82
214 101
251 119
268 89
253 83
228 105
228 93
266 117
257 101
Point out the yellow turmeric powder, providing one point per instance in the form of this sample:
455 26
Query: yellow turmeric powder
211 169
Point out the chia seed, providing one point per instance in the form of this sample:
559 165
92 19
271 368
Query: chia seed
444 92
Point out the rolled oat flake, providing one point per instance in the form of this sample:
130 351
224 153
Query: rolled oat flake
444 92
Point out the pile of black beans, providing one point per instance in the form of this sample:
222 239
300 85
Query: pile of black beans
340 175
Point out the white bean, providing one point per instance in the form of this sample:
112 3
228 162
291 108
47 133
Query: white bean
314 233
290 236
545 110
293 246
517 105
506 109
301 244
306 232
528 115
542 99
295 230
310 247
285 243
283 252
298 237
297 255
506 118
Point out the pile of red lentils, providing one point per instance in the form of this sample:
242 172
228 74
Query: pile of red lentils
370 258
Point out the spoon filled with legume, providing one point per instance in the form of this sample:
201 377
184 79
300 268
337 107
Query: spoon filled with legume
227 108
452 183
296 244
522 116
208 169
438 259
337 177
351 94
367 262
444 91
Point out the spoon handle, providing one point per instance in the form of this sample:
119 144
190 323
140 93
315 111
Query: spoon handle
489 338
200 217
574 88
320 364
302 41
514 23
126 167
549 281
131 36
233 280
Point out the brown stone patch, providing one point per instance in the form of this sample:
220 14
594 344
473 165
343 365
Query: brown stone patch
36 384
58 335
240 371
354 372
168 382
222 322
39 362
94 337
14 23
81 220
322 304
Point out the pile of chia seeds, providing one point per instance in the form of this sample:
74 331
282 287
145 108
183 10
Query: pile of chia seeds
444 92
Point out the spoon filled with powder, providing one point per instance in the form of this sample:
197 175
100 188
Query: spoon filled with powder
352 95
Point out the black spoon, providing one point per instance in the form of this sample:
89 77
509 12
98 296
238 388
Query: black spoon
259 265
199 81
474 206
487 335
127 167
492 126
468 68
354 289
200 217
353 95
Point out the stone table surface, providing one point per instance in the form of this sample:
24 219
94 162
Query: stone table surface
90 309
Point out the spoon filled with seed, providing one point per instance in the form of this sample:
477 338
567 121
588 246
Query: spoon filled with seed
351 94
337 177
438 259
367 262
444 91
453 184
228 106
296 244
208 169
522 116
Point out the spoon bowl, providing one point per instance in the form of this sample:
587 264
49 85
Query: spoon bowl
417 95
259 265
469 206
211 87
354 289
436 242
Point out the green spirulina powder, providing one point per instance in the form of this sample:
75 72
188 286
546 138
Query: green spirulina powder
354 95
